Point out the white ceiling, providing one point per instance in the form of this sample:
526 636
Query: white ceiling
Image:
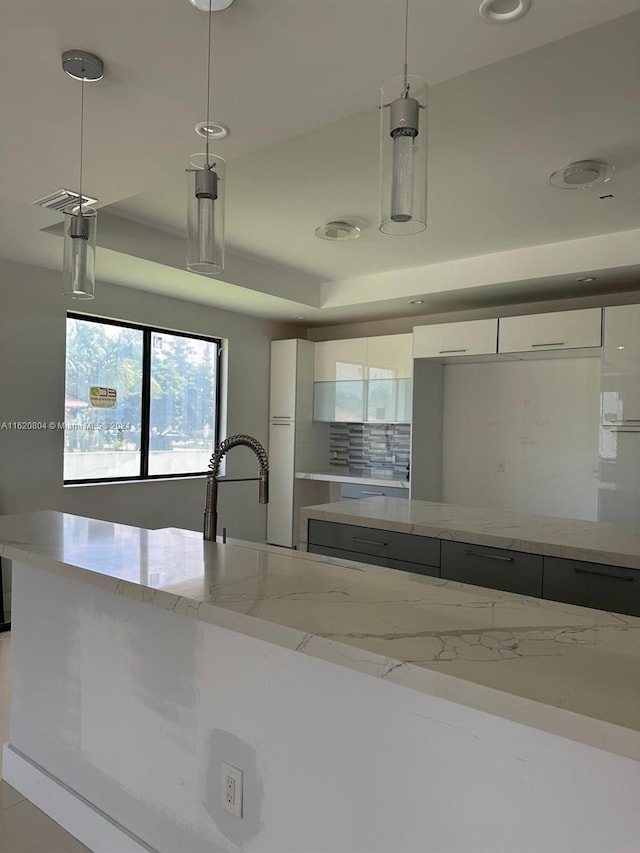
296 80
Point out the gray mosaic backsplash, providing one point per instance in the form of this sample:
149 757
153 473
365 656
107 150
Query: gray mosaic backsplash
370 448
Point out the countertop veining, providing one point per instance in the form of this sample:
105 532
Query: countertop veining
563 669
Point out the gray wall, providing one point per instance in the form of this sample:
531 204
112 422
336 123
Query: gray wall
32 362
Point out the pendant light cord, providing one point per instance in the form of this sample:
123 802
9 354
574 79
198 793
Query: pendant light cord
81 133
208 81
406 48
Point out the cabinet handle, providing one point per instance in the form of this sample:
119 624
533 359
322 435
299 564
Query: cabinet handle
626 421
373 493
489 556
368 542
603 574
281 423
550 344
446 351
280 417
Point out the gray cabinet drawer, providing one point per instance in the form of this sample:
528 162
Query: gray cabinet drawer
353 491
416 568
372 559
496 568
369 540
592 585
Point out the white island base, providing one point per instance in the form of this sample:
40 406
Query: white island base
128 695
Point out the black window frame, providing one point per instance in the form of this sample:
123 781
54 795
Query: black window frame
145 412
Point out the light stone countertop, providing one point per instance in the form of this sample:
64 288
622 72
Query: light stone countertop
590 541
566 670
334 475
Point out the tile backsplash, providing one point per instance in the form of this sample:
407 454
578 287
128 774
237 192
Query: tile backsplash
370 448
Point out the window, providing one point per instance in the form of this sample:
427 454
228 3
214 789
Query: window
139 402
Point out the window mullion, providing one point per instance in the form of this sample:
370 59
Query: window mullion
146 403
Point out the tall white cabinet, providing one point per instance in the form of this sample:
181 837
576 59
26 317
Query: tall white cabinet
295 441
619 487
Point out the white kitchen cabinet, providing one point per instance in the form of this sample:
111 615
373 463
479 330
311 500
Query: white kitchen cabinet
621 367
295 441
560 330
389 357
340 360
364 380
282 389
443 340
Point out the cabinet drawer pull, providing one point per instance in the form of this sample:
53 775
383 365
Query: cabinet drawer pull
550 344
489 556
447 351
281 423
368 542
626 421
372 493
602 574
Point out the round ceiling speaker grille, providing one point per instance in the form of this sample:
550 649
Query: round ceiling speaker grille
503 11
581 175
338 231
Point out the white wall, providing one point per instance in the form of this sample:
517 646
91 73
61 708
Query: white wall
523 436
32 368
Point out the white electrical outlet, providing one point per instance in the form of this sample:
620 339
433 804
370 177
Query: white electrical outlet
232 789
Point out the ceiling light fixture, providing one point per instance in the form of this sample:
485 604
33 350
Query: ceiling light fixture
212 130
337 231
216 5
403 151
78 264
585 280
503 11
416 302
582 175
205 207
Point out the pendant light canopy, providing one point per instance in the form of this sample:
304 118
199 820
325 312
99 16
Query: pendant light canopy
78 267
403 151
205 204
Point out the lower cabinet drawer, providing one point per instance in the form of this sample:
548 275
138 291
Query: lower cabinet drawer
371 559
402 565
592 585
407 547
353 491
497 568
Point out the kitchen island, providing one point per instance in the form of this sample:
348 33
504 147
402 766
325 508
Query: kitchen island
368 709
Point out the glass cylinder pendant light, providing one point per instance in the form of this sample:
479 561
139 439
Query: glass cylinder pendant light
403 151
78 267
205 205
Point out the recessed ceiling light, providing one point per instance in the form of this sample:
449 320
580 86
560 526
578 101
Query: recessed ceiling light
299 317
586 280
338 231
416 302
212 130
503 11
582 175
216 5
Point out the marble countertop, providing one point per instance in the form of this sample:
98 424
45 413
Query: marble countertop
562 669
334 475
591 541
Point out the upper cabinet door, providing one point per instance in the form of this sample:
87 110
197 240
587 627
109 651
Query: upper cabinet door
282 390
560 330
390 357
338 361
621 367
472 337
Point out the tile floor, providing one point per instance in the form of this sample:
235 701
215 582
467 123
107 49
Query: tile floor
23 827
